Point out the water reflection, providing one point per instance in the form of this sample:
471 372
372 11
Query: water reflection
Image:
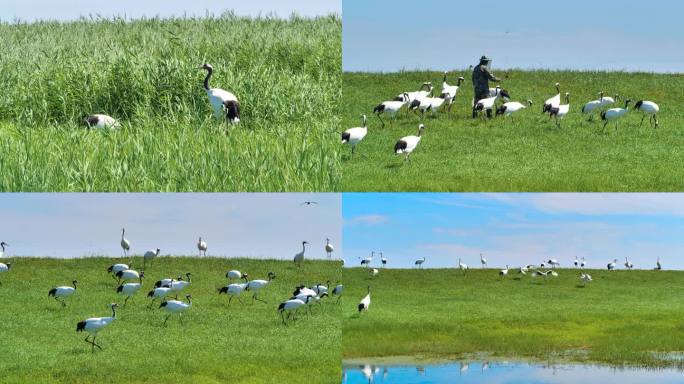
504 372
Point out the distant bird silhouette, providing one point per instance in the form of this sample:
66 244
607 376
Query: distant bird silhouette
309 203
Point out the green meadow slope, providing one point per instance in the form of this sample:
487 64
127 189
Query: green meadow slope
286 74
216 343
527 153
622 317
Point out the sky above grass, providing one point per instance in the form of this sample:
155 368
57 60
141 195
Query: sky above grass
72 9
389 35
515 229
233 224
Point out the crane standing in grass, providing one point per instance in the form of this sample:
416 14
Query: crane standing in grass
329 249
221 100
202 246
299 258
173 307
63 292
125 244
365 302
419 262
94 325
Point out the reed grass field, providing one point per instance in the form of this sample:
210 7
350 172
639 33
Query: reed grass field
216 342
525 153
286 74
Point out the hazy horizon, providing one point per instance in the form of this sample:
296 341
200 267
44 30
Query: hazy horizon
388 35
252 225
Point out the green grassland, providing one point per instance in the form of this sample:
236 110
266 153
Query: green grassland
527 153
622 317
286 74
216 343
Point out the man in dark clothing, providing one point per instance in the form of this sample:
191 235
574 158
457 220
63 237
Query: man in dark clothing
481 77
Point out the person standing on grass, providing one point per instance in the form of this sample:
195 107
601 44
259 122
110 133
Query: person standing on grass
481 77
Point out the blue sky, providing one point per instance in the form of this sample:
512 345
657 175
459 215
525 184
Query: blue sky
389 35
233 224
515 229
72 9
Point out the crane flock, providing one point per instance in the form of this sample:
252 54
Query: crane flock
129 282
423 102
546 269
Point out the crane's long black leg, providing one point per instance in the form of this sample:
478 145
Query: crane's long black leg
166 319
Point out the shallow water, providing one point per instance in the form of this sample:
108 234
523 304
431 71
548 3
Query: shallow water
503 372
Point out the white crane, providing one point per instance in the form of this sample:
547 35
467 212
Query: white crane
583 263
425 104
233 290
63 292
125 244
522 270
164 282
383 260
299 258
561 110
101 121
408 97
504 272
614 114
234 274
593 105
419 263
612 265
321 288
391 107
367 260
553 263
488 103
576 262
201 246
150 255
648 108
407 144
483 261
173 307
628 265
449 92
329 249
159 293
509 108
130 289
180 284
462 266
2 252
94 325
658 265
127 274
553 101
255 286
365 302
374 272
290 306
353 136
116 268
221 100
586 278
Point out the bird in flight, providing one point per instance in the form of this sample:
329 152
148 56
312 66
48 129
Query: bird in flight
309 203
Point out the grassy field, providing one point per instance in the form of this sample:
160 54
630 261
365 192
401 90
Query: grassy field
286 74
216 343
458 153
622 317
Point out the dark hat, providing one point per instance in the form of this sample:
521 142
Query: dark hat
485 58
